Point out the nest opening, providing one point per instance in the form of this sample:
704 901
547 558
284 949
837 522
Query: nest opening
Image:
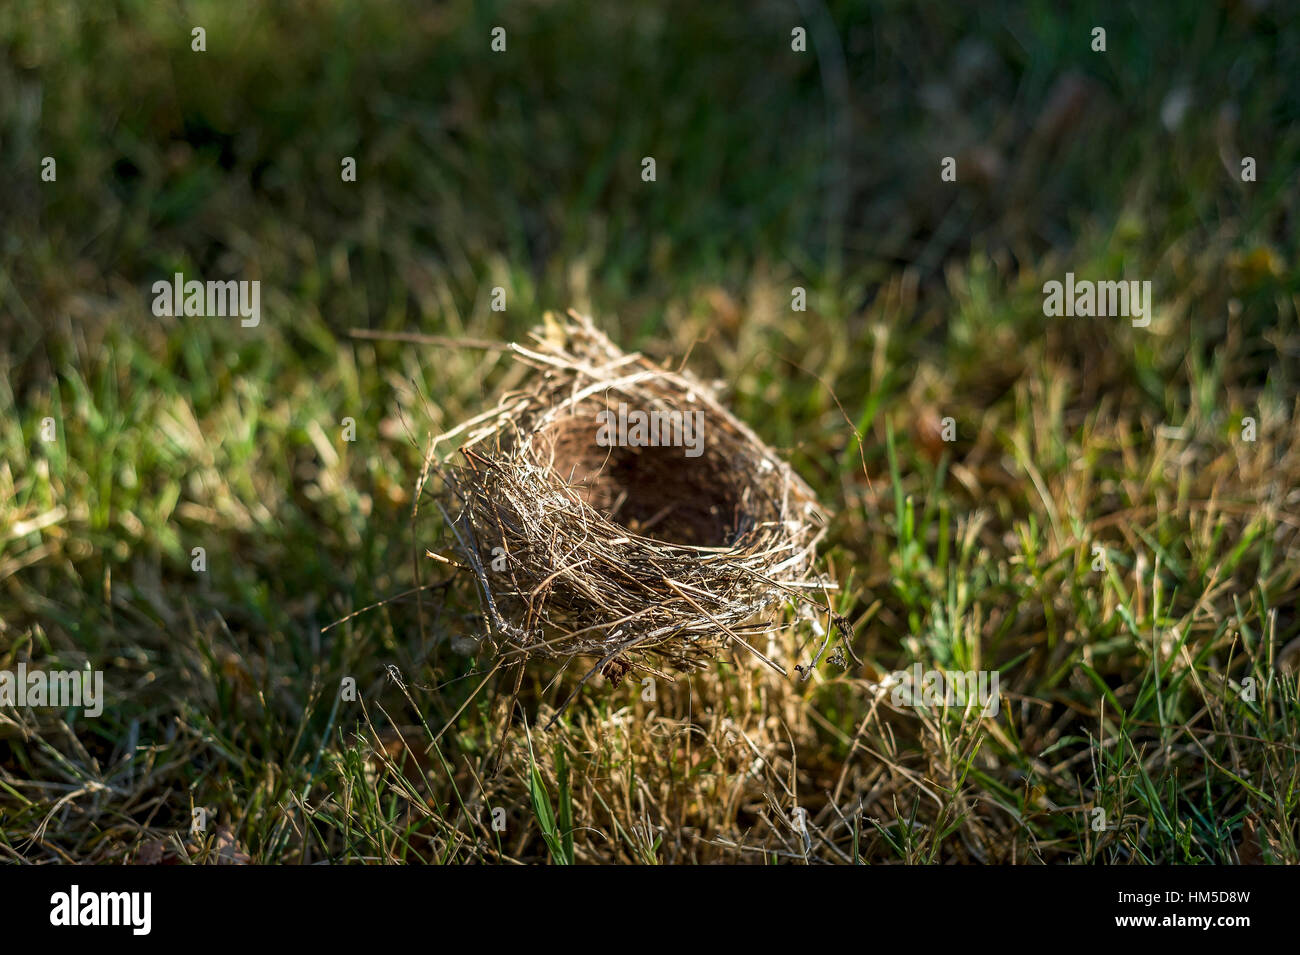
656 491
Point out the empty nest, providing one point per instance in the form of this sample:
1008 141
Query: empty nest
643 558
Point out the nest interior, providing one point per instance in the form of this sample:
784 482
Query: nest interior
654 490
638 555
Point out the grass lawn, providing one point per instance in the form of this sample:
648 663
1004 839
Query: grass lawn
1114 528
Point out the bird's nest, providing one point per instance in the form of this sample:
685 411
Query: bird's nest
643 549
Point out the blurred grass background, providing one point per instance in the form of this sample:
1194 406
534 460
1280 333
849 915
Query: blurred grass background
775 169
